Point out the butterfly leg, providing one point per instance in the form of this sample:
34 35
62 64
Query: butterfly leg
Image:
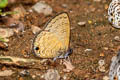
68 53
54 59
64 56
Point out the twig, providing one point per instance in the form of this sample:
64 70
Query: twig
22 62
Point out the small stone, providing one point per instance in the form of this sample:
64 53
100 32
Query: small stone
64 5
105 78
30 10
88 50
117 38
35 29
82 23
6 73
6 32
42 7
65 77
33 76
52 75
105 48
42 76
101 62
101 68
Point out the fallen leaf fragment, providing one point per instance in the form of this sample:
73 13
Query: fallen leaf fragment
69 66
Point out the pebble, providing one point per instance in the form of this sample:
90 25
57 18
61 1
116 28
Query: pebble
88 50
35 29
33 76
42 7
6 32
101 62
101 68
64 5
30 10
105 48
105 78
52 75
82 23
117 38
65 77
6 73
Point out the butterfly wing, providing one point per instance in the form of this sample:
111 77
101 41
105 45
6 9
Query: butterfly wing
115 67
114 13
54 39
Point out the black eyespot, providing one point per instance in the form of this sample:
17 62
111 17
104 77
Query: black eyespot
111 19
111 14
36 48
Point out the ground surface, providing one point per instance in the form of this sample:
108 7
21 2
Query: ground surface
97 34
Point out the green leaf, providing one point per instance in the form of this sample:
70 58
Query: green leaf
3 3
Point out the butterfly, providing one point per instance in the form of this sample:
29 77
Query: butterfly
115 68
114 13
53 40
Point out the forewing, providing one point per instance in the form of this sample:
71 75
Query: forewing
60 27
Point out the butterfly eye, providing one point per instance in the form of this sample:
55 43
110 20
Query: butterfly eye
36 48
